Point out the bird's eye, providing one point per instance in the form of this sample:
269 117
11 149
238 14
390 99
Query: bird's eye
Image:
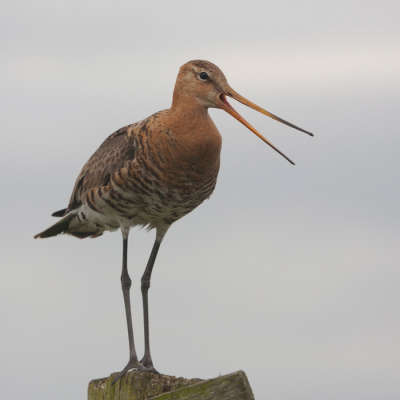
203 75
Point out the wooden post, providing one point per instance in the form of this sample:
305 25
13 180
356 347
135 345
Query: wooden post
142 386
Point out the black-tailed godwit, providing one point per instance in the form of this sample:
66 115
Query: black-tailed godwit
153 173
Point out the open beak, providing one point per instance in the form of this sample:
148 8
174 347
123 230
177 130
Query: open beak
229 109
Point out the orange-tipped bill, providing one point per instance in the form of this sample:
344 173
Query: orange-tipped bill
230 110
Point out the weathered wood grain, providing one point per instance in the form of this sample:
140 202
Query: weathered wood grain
142 386
135 385
234 386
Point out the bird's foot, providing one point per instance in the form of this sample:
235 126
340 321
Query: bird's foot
134 364
148 364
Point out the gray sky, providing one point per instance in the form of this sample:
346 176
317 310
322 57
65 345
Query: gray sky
290 273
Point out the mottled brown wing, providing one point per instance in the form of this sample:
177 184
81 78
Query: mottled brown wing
113 153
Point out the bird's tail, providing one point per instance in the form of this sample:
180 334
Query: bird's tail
69 225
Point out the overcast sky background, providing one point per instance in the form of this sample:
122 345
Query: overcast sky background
290 273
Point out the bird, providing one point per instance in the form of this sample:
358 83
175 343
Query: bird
151 174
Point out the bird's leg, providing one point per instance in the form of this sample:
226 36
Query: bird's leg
126 285
146 361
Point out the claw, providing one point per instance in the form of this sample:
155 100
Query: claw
119 376
148 364
134 364
154 371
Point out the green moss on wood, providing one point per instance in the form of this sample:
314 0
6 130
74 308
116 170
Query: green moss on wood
135 385
227 387
142 386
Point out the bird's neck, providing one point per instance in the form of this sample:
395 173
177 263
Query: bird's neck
197 140
187 116
186 107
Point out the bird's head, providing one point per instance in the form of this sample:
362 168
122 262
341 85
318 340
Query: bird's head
204 81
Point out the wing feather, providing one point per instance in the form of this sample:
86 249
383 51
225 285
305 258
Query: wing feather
113 153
